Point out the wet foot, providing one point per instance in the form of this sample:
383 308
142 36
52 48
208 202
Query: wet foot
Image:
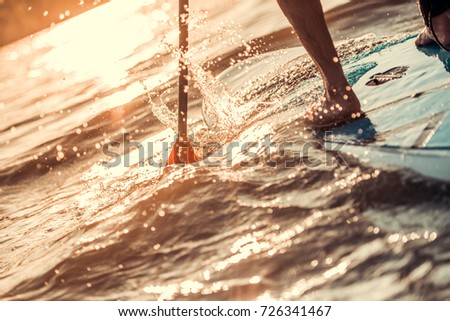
441 26
338 108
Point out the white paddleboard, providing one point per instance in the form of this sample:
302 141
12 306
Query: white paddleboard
408 123
405 93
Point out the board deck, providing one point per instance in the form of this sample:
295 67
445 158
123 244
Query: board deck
408 117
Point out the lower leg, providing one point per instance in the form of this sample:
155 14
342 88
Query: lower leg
436 15
306 16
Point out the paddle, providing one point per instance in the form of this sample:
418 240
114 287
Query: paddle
182 152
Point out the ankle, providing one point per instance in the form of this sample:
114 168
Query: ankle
343 91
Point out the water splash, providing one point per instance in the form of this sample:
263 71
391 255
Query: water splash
164 114
221 110
160 110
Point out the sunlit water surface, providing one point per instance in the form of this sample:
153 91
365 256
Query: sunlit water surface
72 228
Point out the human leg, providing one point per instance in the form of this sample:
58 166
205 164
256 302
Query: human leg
436 16
340 102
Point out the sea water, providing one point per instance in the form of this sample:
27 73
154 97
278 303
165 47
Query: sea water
260 226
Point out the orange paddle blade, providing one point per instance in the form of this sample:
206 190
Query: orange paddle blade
182 154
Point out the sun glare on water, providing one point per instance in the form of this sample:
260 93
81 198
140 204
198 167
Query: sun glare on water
100 43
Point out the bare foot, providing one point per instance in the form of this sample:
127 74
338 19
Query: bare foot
425 38
441 26
337 107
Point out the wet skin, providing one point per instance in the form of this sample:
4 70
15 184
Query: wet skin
339 103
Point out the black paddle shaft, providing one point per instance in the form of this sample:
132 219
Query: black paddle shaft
183 14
